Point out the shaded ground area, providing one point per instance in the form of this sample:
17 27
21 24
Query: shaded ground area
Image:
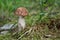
40 31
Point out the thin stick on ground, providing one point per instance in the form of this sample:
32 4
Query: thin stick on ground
25 33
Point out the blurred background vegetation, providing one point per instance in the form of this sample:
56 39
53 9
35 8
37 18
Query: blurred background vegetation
39 12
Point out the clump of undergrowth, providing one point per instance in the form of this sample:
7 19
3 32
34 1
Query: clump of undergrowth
44 17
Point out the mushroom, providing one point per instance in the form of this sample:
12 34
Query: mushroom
21 12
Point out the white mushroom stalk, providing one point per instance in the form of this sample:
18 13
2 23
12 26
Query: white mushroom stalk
21 12
21 23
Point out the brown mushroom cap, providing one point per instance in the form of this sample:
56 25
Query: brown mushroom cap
21 11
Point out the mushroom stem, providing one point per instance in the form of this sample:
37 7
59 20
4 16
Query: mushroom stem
21 23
